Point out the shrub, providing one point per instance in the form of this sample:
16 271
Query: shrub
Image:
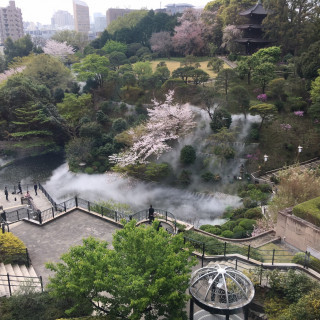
207 176
247 224
157 171
185 178
12 249
119 125
107 107
89 170
102 169
227 234
309 211
228 225
248 203
312 262
211 229
253 213
188 155
239 232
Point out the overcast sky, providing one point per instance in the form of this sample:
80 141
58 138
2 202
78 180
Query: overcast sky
42 10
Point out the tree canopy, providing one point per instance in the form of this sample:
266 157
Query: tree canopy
145 275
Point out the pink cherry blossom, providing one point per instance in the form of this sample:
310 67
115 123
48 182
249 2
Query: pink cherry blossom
58 49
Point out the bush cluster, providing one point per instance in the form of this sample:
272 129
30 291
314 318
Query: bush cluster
12 249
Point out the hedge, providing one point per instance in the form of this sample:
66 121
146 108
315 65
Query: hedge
12 249
309 211
314 263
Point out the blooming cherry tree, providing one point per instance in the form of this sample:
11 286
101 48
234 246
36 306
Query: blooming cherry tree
8 73
167 122
58 49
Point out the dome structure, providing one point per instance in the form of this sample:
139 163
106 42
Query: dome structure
221 289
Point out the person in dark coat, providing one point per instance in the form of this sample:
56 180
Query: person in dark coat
19 187
151 214
6 193
35 186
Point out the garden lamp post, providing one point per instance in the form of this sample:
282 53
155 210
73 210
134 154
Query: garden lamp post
299 151
265 158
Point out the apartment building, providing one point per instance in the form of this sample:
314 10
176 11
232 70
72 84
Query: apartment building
81 16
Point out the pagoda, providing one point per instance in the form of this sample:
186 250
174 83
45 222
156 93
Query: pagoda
252 31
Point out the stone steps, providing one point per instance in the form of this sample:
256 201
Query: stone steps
204 315
20 276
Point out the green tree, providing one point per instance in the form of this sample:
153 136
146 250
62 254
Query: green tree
265 110
145 275
199 76
188 155
215 64
271 54
224 78
74 107
48 71
142 69
221 118
117 59
114 46
315 89
92 67
262 74
241 98
19 48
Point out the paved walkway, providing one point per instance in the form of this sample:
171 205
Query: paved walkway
14 200
48 242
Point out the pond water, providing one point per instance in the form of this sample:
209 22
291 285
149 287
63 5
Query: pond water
53 173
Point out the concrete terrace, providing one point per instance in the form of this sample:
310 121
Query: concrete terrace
48 242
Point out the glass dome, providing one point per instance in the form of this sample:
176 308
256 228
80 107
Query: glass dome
218 286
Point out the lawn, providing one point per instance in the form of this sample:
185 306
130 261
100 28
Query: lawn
175 64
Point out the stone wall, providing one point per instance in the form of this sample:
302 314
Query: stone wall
298 232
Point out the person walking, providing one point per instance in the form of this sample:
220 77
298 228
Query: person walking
19 187
151 214
35 186
6 193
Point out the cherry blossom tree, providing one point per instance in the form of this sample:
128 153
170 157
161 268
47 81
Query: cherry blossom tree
168 121
8 73
188 35
58 49
161 42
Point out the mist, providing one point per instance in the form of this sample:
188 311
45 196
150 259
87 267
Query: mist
190 207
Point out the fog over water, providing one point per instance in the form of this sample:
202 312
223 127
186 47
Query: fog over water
189 205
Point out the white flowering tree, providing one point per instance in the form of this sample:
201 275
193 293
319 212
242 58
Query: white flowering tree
57 49
8 73
167 122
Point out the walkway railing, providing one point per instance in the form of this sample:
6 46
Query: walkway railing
46 194
14 255
158 213
12 281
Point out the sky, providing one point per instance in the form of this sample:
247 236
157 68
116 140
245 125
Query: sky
42 10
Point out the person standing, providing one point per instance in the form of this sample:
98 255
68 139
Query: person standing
35 186
151 214
6 193
19 187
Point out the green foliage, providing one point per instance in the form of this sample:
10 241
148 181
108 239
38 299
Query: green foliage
270 54
12 249
211 229
309 211
114 46
89 170
265 110
227 234
92 67
112 205
310 261
78 40
210 177
119 125
253 213
188 155
220 119
78 150
262 74
143 263
19 48
184 178
215 64
32 305
48 71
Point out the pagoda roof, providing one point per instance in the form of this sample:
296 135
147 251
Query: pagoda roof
252 26
257 9
253 40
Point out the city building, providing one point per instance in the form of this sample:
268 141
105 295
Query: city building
81 16
113 14
174 8
11 24
100 22
62 19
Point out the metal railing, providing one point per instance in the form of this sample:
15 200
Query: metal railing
158 213
13 281
14 255
46 194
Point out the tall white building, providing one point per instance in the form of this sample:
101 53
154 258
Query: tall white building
81 16
62 19
11 24
100 22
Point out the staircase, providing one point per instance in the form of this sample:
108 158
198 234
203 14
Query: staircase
15 277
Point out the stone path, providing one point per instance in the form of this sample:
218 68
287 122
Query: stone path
41 201
48 242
